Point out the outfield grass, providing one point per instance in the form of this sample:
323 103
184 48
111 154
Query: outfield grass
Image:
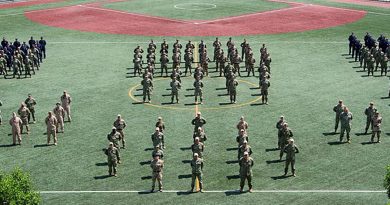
309 75
199 10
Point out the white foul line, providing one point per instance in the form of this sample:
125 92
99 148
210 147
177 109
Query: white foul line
136 14
253 14
219 191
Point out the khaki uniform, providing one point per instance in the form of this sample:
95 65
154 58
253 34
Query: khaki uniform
290 150
242 125
345 119
16 124
376 127
65 101
197 167
279 127
175 85
112 158
198 148
241 138
246 171
115 138
338 109
157 170
120 124
30 103
369 112
51 123
59 113
286 135
158 139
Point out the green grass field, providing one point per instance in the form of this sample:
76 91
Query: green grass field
310 73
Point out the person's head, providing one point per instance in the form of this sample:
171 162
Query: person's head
29 96
22 104
157 129
242 131
196 140
58 104
285 125
119 116
246 155
291 141
198 114
159 119
199 129
65 92
110 145
32 38
156 157
113 129
281 117
196 155
14 114
245 143
340 102
157 147
242 118
346 109
50 113
371 104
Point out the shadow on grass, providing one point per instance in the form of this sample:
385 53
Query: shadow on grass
145 192
167 103
186 161
7 145
257 94
148 149
388 134
367 143
360 71
146 177
102 177
188 89
356 67
257 104
335 143
233 193
220 88
254 88
189 104
166 95
361 133
100 164
387 97
137 95
329 133
280 177
364 76
232 162
137 103
274 161
183 193
345 54
184 176
168 89
42 145
191 95
145 162
232 149
225 103
236 176
139 89
225 94
271 150
185 148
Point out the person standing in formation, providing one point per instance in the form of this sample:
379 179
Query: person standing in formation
66 100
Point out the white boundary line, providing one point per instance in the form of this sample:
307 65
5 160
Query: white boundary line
219 191
253 14
177 6
135 14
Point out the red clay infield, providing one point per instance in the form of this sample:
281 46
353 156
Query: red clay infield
26 3
94 18
375 3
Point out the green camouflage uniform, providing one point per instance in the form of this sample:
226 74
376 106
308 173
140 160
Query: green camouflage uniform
175 85
198 84
158 139
112 158
147 88
338 109
157 169
198 148
114 137
246 171
243 149
376 127
233 83
369 112
198 122
30 103
197 167
290 150
345 119
286 135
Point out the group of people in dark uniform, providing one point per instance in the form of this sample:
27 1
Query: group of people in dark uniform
19 58
371 53
227 65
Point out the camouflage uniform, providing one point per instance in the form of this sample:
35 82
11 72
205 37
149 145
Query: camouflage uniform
158 139
246 164
338 109
198 148
369 112
198 85
290 149
345 120
197 167
147 86
175 85
286 135
113 158
376 127
233 83
120 125
157 166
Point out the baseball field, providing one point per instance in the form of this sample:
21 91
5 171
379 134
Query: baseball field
90 47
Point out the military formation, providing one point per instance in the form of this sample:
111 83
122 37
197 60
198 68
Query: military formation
25 116
344 117
372 54
18 58
228 64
